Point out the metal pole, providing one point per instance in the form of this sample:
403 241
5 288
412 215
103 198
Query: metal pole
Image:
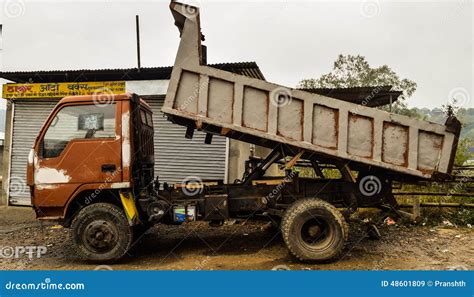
1 47
137 24
441 204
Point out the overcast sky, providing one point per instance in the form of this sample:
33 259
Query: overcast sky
425 41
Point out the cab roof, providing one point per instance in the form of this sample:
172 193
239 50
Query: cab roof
99 98
102 99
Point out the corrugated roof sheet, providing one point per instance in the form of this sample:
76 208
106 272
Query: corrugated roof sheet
367 96
249 69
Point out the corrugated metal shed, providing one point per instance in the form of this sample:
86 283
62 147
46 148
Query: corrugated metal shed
177 157
249 69
28 117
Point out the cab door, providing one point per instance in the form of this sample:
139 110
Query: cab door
81 145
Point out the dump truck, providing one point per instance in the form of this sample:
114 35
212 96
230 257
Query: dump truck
92 165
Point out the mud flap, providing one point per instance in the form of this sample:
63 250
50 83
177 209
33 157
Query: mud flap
129 207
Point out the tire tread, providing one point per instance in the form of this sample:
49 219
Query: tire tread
110 208
299 207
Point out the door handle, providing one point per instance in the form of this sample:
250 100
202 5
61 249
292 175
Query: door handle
108 167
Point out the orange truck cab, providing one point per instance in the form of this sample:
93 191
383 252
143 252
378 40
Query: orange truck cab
89 150
85 146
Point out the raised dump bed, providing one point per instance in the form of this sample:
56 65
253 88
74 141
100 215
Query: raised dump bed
264 113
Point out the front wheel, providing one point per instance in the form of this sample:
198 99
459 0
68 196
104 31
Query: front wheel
314 230
100 232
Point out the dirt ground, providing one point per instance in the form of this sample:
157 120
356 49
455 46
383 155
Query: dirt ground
241 245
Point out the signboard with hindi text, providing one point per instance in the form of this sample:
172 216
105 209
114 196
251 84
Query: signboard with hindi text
60 90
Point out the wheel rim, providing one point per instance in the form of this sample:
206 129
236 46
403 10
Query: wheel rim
316 233
100 236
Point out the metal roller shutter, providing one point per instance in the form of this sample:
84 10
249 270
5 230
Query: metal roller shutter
28 119
177 157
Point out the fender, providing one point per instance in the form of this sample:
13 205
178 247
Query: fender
96 188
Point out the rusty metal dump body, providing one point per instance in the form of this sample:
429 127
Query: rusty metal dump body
268 113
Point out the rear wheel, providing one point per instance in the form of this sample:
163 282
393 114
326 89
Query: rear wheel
100 232
314 230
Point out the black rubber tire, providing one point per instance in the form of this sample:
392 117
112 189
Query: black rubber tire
325 219
96 216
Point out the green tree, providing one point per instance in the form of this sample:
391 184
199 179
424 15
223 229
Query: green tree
354 71
463 154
